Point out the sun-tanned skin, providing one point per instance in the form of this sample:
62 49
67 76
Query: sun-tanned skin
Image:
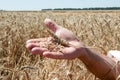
100 65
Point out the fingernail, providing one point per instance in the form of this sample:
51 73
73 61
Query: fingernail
46 21
27 41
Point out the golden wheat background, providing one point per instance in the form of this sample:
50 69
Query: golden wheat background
98 29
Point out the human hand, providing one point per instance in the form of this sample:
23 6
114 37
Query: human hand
73 50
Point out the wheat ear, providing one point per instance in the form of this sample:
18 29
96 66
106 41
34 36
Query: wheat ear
57 39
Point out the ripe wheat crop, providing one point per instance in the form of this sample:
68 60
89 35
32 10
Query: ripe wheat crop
97 29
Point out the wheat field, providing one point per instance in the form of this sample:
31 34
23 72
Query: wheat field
98 29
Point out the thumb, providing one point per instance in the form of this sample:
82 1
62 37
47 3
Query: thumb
51 25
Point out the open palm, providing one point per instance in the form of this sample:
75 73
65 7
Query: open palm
72 51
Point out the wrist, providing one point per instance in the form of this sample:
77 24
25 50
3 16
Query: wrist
88 56
82 51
